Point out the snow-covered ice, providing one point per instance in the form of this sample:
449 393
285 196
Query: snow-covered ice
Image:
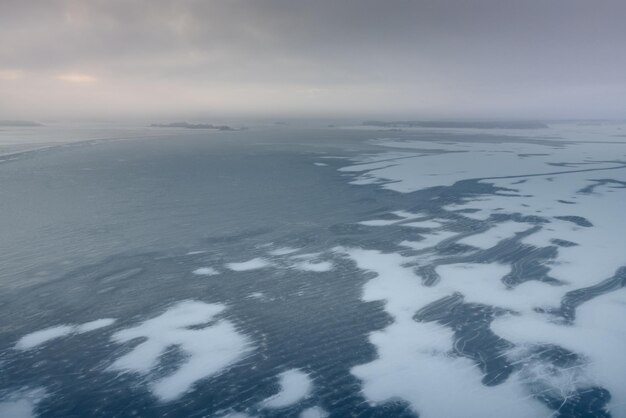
205 271
37 338
253 264
295 385
209 350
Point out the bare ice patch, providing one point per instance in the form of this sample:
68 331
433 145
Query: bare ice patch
295 385
209 350
254 264
38 338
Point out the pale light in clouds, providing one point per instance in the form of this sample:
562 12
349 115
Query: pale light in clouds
409 58
78 78
8 75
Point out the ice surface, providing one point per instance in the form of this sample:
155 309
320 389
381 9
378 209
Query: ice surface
414 358
254 264
477 160
38 338
21 404
482 283
315 266
430 240
572 194
283 251
314 412
295 385
208 350
424 224
598 333
379 222
491 237
21 408
206 271
94 325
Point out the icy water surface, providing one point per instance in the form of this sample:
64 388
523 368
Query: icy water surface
315 272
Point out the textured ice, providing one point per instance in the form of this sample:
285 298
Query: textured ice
254 264
314 266
430 240
206 271
283 251
491 237
413 172
38 338
414 358
424 224
208 350
295 385
598 333
572 196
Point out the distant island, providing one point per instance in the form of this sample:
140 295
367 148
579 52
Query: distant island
187 125
457 124
19 123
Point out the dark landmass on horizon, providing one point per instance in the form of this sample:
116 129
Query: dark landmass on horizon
457 124
187 125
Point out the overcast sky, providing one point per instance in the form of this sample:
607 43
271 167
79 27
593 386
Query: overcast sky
419 59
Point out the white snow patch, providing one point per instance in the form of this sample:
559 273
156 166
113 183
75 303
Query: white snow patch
379 222
482 283
209 350
321 164
254 264
38 338
306 256
21 404
94 325
314 412
295 385
205 271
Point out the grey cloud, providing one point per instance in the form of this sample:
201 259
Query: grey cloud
491 53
